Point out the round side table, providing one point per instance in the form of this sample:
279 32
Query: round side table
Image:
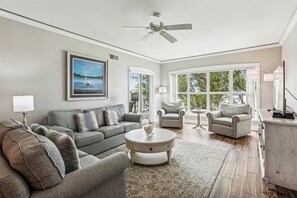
198 112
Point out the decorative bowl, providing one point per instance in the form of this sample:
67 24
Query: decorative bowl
149 130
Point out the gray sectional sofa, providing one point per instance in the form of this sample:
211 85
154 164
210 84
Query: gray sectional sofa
96 178
104 138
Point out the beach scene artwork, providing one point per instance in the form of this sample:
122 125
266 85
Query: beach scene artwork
87 77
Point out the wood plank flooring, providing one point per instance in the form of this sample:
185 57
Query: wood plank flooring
240 175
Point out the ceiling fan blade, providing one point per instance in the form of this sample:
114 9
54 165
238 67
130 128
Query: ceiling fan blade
187 26
146 36
167 36
135 27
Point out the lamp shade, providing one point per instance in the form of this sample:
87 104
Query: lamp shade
23 103
135 97
162 90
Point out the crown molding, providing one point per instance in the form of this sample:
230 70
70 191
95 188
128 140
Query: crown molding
29 21
234 51
289 28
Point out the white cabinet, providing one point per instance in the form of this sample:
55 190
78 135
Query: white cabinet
278 150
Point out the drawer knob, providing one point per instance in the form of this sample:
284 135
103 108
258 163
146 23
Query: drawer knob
151 149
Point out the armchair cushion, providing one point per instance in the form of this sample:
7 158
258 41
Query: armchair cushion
171 116
173 107
223 121
231 110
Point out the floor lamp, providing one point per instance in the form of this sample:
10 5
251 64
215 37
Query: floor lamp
135 99
23 104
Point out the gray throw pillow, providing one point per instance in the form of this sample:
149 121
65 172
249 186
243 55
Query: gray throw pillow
111 118
67 149
86 121
35 157
6 126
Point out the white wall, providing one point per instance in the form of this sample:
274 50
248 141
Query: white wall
269 59
33 61
289 55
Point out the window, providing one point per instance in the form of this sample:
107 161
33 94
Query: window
206 90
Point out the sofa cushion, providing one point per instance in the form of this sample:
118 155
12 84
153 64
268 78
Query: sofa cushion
6 126
171 116
128 126
110 131
119 109
223 121
173 107
86 121
81 153
67 149
12 183
88 160
99 115
86 138
111 118
35 157
229 110
63 118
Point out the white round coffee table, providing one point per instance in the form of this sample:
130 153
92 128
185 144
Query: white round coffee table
153 150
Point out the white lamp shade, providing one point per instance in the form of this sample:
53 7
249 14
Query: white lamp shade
162 90
23 103
268 77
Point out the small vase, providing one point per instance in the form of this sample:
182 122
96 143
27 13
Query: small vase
149 130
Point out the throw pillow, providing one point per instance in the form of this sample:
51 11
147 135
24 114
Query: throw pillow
67 149
111 118
86 121
6 126
35 157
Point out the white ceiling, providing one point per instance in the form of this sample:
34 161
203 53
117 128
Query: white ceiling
218 25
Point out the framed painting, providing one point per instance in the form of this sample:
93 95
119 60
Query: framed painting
86 77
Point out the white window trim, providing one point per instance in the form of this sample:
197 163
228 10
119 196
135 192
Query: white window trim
230 68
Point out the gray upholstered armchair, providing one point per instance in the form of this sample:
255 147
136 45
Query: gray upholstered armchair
231 120
171 115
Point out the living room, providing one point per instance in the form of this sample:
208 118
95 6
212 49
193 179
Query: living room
38 39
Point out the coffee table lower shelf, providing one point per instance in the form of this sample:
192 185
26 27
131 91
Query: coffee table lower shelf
150 158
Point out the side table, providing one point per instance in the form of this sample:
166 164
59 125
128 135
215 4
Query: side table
198 112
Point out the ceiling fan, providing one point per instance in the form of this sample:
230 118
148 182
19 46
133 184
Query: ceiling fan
157 26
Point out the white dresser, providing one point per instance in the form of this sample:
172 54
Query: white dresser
278 150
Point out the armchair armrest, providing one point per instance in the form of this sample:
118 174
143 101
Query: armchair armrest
214 114
63 130
133 117
182 112
241 117
82 182
161 112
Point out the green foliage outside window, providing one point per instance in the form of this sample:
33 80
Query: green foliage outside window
198 82
216 99
219 81
239 80
183 98
198 101
182 83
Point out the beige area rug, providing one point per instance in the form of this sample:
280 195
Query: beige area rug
192 172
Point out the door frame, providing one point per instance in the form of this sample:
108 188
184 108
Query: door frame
144 71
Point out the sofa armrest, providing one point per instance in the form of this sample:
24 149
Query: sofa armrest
133 117
63 130
214 114
161 112
182 112
84 181
241 117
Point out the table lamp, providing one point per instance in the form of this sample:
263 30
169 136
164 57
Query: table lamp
23 104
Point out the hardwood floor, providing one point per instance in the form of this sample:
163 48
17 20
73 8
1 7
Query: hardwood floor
240 174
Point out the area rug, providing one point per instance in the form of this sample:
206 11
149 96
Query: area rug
192 172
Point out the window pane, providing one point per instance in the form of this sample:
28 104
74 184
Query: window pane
239 80
182 83
216 99
198 101
183 98
198 82
239 98
219 81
